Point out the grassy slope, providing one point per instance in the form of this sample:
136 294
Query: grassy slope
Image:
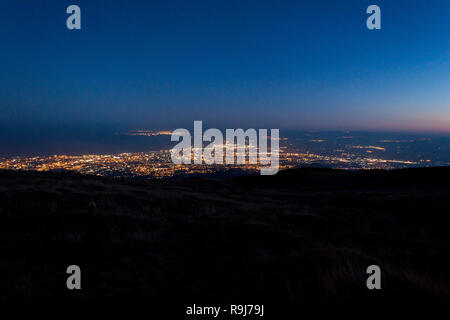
303 235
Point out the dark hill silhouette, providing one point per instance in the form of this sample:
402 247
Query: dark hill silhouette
304 235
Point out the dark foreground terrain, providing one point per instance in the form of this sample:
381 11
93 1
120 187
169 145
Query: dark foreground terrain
302 236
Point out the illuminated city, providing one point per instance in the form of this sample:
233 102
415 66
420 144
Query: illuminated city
157 163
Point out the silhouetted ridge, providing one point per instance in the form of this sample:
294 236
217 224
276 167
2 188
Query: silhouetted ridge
302 236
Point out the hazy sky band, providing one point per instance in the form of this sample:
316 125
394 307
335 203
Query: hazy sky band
289 64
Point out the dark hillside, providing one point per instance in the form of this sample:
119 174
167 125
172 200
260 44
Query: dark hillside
300 236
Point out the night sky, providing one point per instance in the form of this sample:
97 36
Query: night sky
268 64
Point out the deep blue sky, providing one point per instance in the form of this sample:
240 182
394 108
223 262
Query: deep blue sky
278 64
